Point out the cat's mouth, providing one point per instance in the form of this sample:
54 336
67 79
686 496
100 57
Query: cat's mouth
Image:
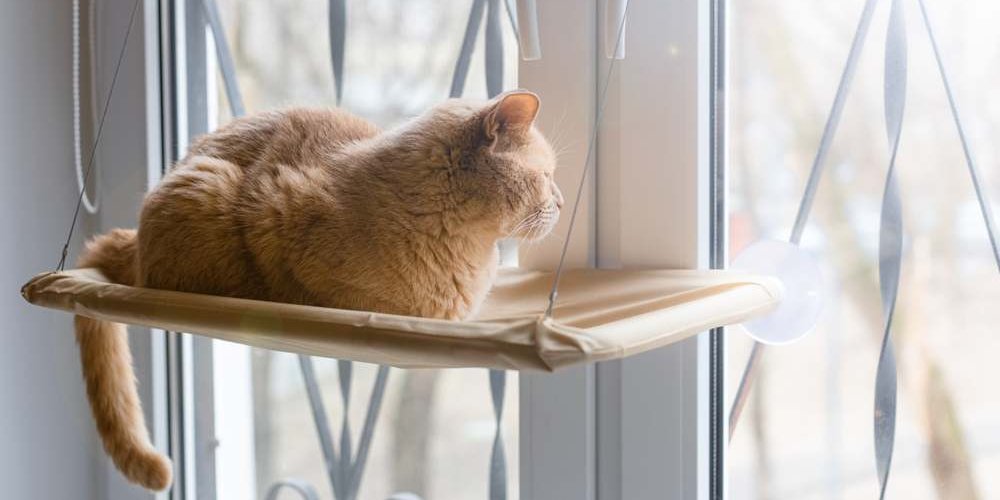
538 224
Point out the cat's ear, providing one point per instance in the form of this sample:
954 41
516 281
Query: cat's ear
510 112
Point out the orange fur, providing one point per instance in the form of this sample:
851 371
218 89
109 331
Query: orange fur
107 371
319 207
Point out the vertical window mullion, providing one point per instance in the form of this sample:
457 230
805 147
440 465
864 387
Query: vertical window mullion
653 210
557 410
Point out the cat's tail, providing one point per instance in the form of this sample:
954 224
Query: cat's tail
108 373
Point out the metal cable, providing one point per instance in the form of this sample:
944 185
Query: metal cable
591 146
97 139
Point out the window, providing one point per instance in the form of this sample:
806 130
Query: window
806 431
638 429
259 410
651 426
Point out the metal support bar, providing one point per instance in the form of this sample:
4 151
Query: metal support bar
331 460
225 58
815 174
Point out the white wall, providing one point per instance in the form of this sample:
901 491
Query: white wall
48 446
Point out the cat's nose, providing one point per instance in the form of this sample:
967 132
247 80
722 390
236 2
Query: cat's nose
558 197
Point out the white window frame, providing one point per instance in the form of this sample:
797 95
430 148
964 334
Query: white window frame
145 104
646 427
638 429
130 165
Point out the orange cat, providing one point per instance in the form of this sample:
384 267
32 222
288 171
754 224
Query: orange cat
319 207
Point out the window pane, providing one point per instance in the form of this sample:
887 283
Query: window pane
433 437
435 431
807 429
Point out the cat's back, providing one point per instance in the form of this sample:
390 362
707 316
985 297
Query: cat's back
195 226
290 136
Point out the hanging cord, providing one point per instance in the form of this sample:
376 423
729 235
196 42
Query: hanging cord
97 140
603 100
90 206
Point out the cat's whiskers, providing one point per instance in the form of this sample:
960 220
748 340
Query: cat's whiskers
526 222
559 130
536 224
558 140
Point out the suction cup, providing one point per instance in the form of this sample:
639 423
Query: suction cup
805 293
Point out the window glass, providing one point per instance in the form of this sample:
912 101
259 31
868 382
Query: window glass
435 431
806 431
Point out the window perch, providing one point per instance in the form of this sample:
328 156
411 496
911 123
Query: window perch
601 315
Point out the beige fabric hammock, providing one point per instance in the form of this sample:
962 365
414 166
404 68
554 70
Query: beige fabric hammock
600 315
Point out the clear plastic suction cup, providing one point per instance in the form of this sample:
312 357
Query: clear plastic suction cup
805 294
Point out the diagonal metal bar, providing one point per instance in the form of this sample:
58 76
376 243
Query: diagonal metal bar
468 45
812 184
494 49
332 462
984 203
890 245
832 121
225 58
344 472
367 431
749 376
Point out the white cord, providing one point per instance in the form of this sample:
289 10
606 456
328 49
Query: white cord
90 206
